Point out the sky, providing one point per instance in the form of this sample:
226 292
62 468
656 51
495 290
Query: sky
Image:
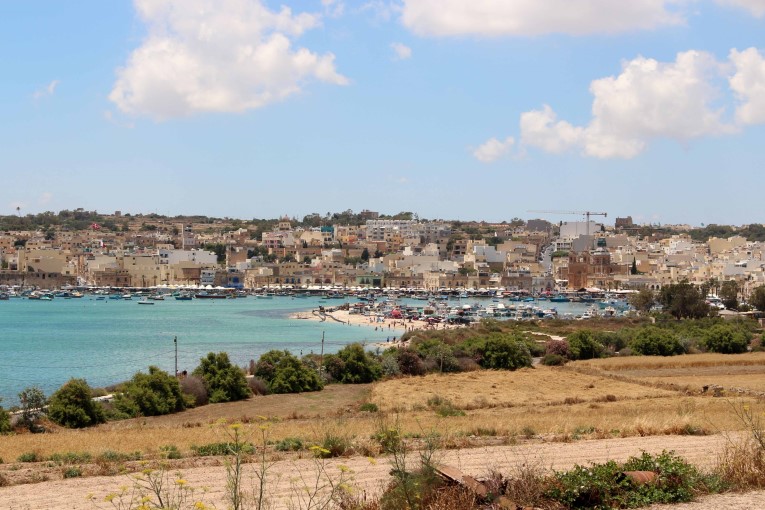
453 109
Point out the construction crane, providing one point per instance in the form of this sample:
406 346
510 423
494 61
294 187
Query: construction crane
578 213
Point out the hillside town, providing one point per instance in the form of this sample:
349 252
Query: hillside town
368 249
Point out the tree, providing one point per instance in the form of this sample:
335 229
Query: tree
284 373
653 341
353 365
33 403
726 339
73 406
643 300
757 299
729 294
365 255
633 269
224 381
502 351
5 420
683 300
583 345
151 394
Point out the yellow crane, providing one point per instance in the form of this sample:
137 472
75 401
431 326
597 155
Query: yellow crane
578 213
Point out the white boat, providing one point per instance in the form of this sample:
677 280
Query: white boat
145 301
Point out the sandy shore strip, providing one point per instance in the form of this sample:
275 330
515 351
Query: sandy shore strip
396 327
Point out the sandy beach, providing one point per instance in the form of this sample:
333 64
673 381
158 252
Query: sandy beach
396 327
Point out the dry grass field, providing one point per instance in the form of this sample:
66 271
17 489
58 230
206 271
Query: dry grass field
614 397
736 373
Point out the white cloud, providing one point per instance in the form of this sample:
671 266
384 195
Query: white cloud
333 8
493 149
748 83
755 7
648 100
540 129
402 51
534 17
48 90
217 56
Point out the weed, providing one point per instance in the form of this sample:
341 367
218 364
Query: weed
219 449
289 444
72 472
29 457
369 407
70 458
528 432
169 451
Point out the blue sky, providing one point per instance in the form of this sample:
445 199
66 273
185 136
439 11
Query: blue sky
455 109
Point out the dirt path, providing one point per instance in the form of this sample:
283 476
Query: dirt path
370 475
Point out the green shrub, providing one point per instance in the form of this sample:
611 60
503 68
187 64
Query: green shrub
726 339
584 345
70 458
219 449
284 373
353 365
503 351
5 421
112 456
224 382
170 451
652 341
332 445
289 444
29 457
72 406
604 486
72 472
437 355
553 360
369 407
152 394
33 403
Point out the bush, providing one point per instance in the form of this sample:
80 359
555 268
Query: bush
553 360
224 382
33 403
289 444
502 351
558 348
409 363
220 449
584 345
604 486
284 373
353 365
194 387
726 339
28 457
257 386
152 394
5 421
72 406
437 354
653 341
369 407
72 472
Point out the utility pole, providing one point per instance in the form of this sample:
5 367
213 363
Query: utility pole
175 341
321 356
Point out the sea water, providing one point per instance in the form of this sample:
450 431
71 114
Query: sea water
45 343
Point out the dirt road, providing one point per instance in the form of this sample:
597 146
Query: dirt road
370 475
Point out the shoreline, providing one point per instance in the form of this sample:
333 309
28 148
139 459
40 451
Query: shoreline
396 327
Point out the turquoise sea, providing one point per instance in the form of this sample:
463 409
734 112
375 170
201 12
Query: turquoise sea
45 343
